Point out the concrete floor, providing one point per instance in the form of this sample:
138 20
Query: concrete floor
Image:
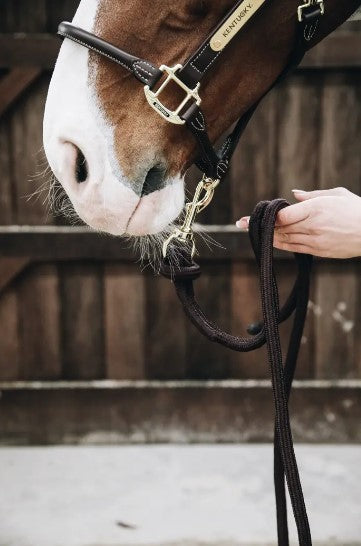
168 495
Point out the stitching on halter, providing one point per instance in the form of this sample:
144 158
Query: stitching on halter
138 65
310 30
137 68
201 122
201 53
89 46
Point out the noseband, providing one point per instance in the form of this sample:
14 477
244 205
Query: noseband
214 164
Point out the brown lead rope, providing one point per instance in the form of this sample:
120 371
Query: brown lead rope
261 234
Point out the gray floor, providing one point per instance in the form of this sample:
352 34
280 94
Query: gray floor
191 495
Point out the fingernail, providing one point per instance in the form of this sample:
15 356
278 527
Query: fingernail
242 223
299 191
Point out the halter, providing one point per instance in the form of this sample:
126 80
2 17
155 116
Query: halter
188 77
214 164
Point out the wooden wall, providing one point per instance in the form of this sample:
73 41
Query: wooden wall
94 319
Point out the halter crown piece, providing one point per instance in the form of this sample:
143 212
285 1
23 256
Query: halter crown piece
214 164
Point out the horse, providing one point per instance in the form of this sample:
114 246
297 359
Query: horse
119 163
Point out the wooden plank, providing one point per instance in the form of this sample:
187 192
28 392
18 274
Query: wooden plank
337 51
10 268
336 337
253 166
124 322
61 243
23 16
39 328
165 331
6 186
19 50
177 412
337 284
9 338
60 11
13 85
27 156
81 294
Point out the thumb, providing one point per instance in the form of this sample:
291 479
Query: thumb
302 195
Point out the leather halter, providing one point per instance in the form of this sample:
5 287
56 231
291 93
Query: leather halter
214 163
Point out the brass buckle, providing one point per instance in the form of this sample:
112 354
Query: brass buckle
202 197
307 4
153 96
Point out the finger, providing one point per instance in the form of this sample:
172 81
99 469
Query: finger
300 227
300 249
243 223
293 239
302 195
293 214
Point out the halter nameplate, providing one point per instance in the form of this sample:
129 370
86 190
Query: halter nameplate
234 23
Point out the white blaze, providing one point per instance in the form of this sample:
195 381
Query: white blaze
73 119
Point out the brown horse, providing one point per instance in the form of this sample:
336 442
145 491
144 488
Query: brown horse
121 165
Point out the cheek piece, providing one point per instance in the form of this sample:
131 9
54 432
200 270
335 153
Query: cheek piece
214 164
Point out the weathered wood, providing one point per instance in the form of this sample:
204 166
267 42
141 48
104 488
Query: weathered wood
23 16
67 243
13 84
6 193
27 157
165 336
60 243
10 268
9 337
337 285
336 342
82 315
181 412
124 322
60 11
39 328
337 51
20 50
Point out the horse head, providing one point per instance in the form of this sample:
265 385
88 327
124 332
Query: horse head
120 164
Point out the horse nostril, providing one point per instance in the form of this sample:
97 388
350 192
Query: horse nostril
155 180
81 167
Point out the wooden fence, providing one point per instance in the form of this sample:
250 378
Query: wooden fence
75 305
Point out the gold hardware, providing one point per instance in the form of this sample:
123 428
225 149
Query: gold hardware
202 197
152 96
307 4
234 23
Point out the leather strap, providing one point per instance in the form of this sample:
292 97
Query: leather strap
215 163
197 66
141 69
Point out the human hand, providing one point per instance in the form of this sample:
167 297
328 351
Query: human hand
324 223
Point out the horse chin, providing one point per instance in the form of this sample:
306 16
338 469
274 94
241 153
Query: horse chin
157 210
